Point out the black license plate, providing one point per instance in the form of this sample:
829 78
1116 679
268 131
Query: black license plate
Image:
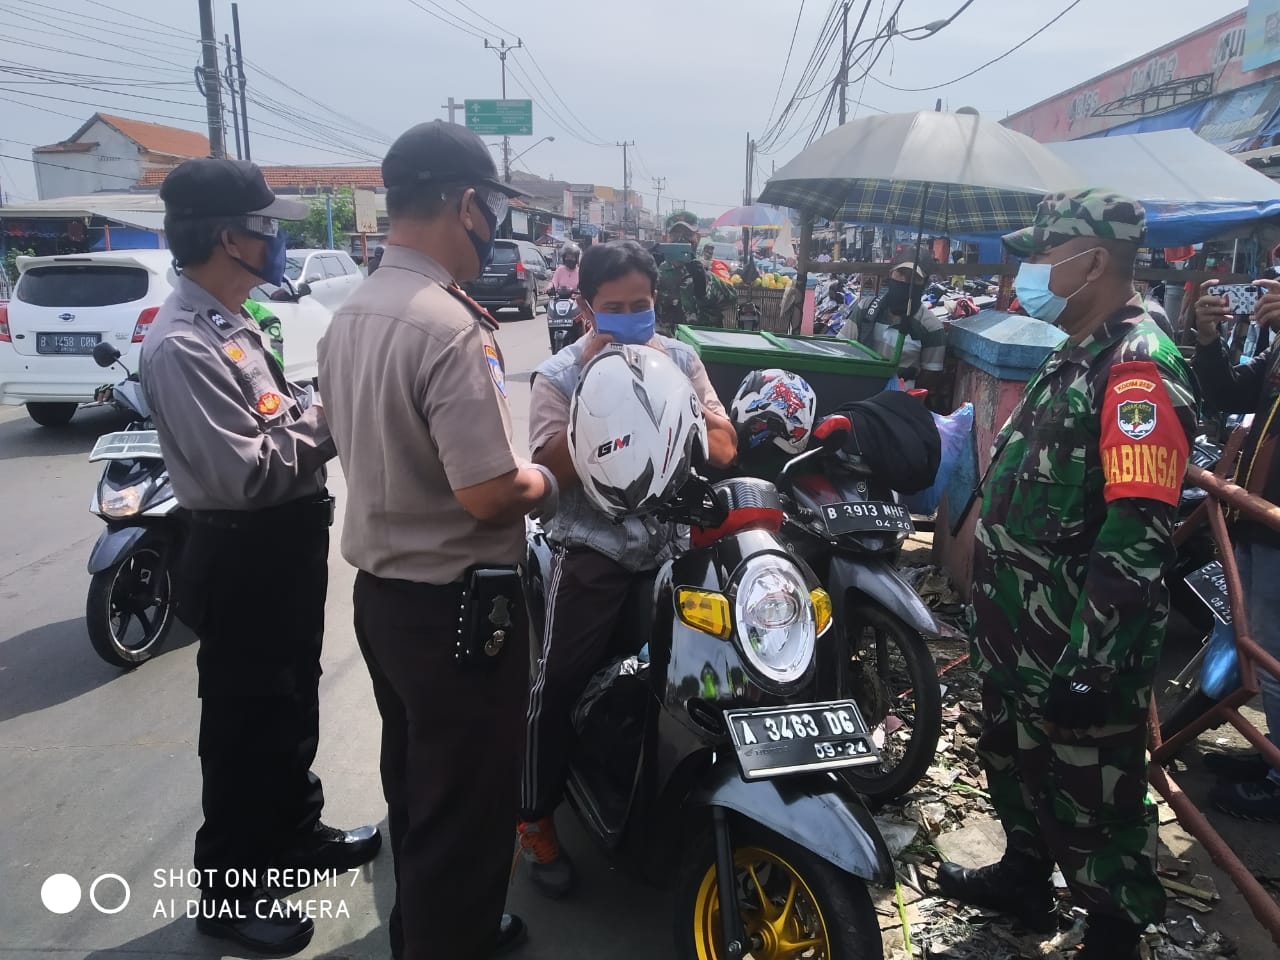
79 344
775 741
861 516
1209 583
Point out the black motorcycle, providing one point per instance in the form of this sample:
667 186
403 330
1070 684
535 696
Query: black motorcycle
129 609
711 759
848 527
564 319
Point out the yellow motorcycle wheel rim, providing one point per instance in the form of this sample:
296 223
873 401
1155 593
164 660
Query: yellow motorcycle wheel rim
787 930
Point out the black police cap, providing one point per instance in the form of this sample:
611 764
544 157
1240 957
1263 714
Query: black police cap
208 187
440 152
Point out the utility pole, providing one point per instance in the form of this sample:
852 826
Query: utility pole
746 195
212 82
453 107
843 80
244 104
659 184
502 49
231 87
626 184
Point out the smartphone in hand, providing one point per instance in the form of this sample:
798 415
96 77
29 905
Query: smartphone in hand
1241 297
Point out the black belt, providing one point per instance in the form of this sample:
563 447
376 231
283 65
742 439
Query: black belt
307 509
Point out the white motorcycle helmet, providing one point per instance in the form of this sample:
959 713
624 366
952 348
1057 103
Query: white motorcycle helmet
635 427
774 405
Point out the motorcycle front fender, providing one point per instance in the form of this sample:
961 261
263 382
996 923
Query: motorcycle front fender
879 581
817 812
113 545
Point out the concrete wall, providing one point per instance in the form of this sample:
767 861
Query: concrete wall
114 164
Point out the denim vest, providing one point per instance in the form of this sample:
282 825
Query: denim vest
637 544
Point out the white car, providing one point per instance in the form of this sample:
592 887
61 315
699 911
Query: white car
331 274
63 306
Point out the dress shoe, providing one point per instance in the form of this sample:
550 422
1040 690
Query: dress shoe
259 923
511 933
1017 886
329 848
1109 938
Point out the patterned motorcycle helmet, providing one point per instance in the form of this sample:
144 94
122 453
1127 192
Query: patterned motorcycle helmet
774 405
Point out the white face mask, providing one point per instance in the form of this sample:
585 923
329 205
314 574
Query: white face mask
1032 288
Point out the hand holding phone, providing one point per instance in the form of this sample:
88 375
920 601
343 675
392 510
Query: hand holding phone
1242 298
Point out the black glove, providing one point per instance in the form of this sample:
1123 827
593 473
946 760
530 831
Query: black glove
1076 703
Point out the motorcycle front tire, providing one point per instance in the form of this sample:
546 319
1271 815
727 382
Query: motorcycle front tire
99 619
836 905
880 783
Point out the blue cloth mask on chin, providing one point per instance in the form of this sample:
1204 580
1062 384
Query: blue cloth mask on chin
633 328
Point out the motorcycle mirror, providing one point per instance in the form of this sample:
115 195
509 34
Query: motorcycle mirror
104 354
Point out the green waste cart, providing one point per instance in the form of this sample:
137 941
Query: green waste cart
838 370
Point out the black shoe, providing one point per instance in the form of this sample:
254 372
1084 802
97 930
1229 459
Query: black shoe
1109 938
1257 800
511 933
329 848
1237 767
1014 886
261 924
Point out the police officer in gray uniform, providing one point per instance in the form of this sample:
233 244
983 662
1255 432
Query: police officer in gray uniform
246 451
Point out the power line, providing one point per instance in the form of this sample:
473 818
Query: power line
63 166
62 32
994 60
457 26
555 93
502 31
77 18
786 64
185 71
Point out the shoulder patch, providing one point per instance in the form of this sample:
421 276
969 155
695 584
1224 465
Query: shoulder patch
269 403
495 368
1143 446
218 320
234 352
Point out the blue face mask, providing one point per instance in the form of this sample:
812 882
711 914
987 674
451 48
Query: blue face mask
1032 287
634 328
273 264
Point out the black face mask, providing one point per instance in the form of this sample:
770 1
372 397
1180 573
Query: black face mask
901 300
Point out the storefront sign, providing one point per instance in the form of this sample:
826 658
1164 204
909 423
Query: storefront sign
1262 34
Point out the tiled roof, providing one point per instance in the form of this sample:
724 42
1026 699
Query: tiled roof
84 147
157 138
302 178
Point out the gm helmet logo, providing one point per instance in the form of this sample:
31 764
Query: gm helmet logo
612 446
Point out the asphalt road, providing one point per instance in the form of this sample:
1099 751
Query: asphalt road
98 768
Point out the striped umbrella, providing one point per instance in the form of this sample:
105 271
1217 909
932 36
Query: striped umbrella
945 172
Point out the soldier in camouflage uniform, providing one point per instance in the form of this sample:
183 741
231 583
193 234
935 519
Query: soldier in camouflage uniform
1073 543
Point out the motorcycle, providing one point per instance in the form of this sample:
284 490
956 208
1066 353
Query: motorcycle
711 760
564 319
848 528
129 608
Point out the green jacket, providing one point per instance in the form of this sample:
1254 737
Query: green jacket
269 324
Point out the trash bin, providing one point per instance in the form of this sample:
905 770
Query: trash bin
838 370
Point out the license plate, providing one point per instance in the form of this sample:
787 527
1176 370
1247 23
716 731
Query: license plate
127 445
78 344
1209 583
775 741
861 516
559 323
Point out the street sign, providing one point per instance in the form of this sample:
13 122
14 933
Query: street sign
500 117
366 211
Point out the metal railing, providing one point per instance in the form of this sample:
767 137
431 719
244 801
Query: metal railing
1251 657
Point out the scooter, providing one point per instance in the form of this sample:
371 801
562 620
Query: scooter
564 319
711 760
848 527
129 609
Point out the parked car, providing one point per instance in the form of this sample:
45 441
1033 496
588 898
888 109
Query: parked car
62 307
331 274
516 278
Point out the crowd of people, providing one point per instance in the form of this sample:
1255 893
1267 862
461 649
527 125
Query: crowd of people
1072 545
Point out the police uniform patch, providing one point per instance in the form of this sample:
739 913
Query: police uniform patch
269 403
495 368
234 353
218 320
1136 418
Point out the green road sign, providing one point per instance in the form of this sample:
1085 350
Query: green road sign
512 118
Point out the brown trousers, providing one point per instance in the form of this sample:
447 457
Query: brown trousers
451 756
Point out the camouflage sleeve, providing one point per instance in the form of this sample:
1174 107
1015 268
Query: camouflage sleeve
1148 420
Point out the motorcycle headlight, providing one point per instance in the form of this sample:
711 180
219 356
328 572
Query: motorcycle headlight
122 503
775 619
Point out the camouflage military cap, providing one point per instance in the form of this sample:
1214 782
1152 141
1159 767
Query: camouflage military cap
1087 213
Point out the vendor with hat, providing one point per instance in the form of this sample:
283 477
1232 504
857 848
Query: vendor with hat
246 452
1073 543
882 322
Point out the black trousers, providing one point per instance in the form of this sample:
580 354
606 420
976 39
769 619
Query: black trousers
588 596
252 587
451 737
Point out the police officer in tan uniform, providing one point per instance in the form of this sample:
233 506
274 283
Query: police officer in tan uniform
246 451
416 393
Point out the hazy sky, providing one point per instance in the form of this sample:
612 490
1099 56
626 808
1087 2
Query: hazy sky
687 80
